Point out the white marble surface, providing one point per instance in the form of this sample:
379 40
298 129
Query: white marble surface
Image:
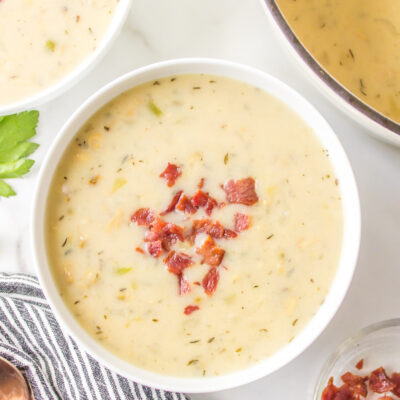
238 30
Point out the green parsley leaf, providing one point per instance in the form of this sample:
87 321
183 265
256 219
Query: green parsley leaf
15 130
14 169
21 150
6 190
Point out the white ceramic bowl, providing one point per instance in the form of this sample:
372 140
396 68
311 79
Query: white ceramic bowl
378 124
80 71
347 186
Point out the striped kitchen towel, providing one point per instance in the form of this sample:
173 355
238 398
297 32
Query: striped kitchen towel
54 365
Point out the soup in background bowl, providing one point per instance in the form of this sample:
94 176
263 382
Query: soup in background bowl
46 46
351 50
196 225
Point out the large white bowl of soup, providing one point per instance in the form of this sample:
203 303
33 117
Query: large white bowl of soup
196 225
47 46
350 49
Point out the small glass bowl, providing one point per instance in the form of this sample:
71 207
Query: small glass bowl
377 344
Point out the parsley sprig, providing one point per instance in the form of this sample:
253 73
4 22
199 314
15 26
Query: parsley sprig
15 132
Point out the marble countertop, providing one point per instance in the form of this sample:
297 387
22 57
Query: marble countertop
238 30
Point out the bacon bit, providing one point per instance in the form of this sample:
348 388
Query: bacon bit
386 398
330 391
185 205
168 233
171 234
229 234
212 228
379 382
344 393
201 183
360 364
171 173
197 283
184 286
356 384
143 216
189 309
212 254
172 205
241 191
395 378
177 262
202 199
140 250
155 248
210 281
242 222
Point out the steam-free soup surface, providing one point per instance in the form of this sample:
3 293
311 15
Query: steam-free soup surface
274 274
357 41
42 41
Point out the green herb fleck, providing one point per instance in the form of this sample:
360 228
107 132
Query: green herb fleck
51 45
154 109
123 270
192 362
226 158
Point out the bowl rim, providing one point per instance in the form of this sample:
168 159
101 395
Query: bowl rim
350 240
79 71
321 381
376 122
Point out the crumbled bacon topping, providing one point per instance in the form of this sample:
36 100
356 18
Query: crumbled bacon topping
354 386
212 254
395 378
189 309
185 205
242 222
212 228
241 191
344 393
173 203
171 173
360 364
161 236
356 383
330 391
210 281
184 286
155 248
167 233
143 216
177 262
379 382
203 199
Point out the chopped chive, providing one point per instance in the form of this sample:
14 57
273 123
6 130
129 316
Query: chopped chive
154 109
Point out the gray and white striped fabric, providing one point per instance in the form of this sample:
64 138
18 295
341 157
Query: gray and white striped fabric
31 338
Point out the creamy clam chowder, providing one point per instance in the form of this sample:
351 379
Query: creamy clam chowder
42 41
194 225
